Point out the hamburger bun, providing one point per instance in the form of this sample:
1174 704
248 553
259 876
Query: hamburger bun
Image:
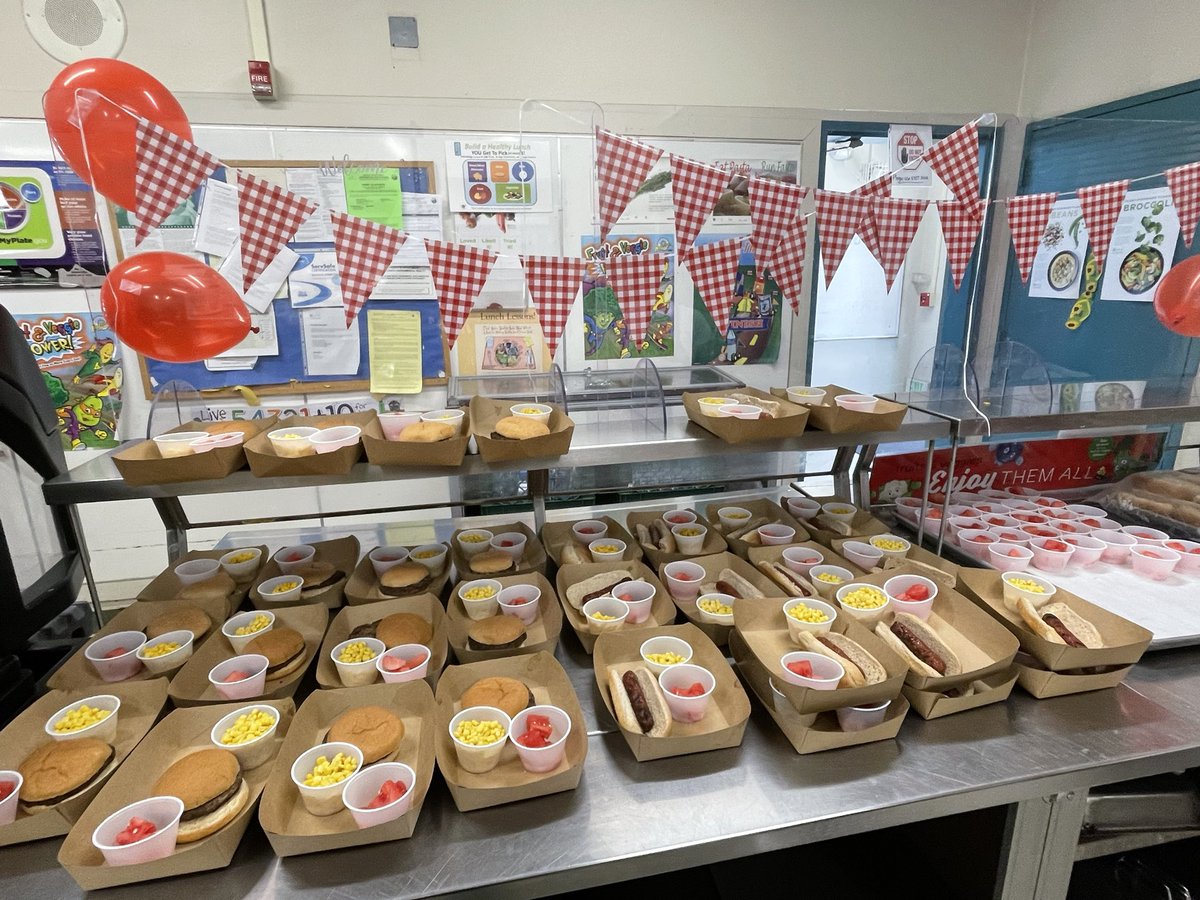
519 428
283 648
491 562
185 618
405 579
427 432
58 769
496 633
210 784
367 629
375 731
403 628
507 694
317 576
217 588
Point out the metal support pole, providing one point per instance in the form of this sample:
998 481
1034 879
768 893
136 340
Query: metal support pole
841 471
538 484
862 476
949 482
85 559
1062 837
175 523
925 493
1021 849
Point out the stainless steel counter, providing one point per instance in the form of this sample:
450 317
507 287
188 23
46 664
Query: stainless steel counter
629 819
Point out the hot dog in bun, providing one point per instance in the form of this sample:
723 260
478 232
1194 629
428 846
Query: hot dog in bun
1059 624
638 701
860 666
919 645
786 579
731 583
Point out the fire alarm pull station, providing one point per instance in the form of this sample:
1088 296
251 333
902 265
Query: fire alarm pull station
926 298
262 87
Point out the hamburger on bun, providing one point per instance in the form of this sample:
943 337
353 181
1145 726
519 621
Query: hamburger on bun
519 428
375 731
496 633
427 432
185 618
284 649
317 577
57 770
505 694
405 580
403 628
491 562
210 784
217 588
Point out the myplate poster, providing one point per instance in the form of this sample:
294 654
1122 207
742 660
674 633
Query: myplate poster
1043 465
48 227
604 332
76 355
499 175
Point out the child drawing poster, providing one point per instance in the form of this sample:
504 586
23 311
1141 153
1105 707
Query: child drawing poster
605 334
76 353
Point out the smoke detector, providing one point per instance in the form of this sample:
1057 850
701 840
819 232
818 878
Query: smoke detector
71 30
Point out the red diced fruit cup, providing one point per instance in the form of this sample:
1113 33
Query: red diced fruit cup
400 664
6 788
1150 554
1056 546
1014 552
915 594
233 677
801 667
684 576
537 732
981 539
113 654
505 544
137 830
695 689
389 792
518 601
587 530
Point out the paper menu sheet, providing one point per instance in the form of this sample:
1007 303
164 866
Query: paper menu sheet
325 189
394 348
217 227
271 284
330 348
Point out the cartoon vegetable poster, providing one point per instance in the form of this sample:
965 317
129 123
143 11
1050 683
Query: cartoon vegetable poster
76 353
604 332
1142 247
754 329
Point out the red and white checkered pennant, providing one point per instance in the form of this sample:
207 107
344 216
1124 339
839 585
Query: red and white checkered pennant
788 266
955 159
1101 205
713 268
635 280
1184 182
553 283
1027 218
896 221
773 206
622 164
364 251
838 217
961 221
695 189
876 187
169 168
459 273
269 217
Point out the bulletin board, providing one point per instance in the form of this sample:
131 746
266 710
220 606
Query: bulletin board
284 374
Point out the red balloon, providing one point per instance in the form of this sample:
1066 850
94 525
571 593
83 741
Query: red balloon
171 307
108 164
1177 300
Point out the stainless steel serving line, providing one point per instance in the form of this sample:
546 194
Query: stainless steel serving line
630 819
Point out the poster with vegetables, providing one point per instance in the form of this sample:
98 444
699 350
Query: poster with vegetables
604 332
1058 265
1142 247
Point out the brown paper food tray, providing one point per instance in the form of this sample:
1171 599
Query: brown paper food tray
1124 641
813 735
769 508
341 553
382 452
141 702
864 525
556 536
509 782
77 672
266 464
790 423
982 645
719 634
533 560
1044 684
141 464
775 554
190 686
915 553
180 733
166 585
760 630
832 418
290 828
934 705
485 413
363 584
724 723
542 635
427 606
662 610
713 541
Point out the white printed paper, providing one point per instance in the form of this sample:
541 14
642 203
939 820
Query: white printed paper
217 227
231 363
326 189
1142 246
330 348
263 339
271 284
1058 265
314 280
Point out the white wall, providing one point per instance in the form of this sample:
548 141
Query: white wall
1087 52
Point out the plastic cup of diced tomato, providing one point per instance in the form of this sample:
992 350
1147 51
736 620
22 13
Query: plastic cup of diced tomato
406 662
1153 561
1189 556
688 689
379 793
1051 554
1010 557
911 594
540 735
140 832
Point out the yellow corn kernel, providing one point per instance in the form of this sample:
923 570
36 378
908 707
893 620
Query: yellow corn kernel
248 727
802 613
358 652
864 598
479 733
